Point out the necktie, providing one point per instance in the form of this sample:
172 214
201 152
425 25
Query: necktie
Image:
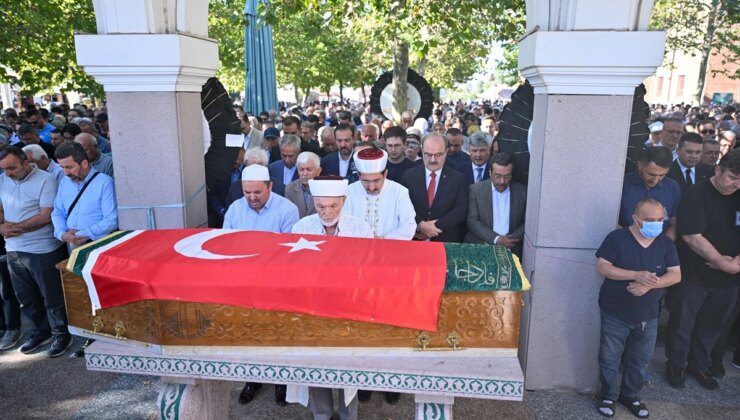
431 189
688 177
480 174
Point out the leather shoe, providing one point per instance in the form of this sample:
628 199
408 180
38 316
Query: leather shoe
280 391
247 394
364 396
392 398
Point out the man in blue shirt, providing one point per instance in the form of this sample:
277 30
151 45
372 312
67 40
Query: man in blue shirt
638 262
94 214
649 180
37 121
260 210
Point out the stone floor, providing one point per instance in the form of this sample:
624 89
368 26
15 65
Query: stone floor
37 387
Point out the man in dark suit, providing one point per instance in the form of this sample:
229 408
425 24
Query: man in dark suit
340 163
309 167
480 150
438 193
496 207
455 155
687 169
284 169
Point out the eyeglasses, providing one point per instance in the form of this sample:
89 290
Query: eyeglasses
504 177
412 144
707 131
433 155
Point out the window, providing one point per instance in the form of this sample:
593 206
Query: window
680 86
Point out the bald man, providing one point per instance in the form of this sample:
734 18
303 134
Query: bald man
101 162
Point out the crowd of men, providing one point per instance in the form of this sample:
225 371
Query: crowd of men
332 170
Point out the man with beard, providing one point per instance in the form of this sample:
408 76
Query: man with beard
329 194
260 210
340 163
395 139
384 204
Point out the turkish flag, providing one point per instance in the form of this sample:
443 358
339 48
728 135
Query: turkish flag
371 280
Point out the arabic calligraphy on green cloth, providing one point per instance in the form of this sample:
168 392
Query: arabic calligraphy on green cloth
478 267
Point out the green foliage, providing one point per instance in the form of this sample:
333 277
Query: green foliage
37 44
448 39
701 27
226 23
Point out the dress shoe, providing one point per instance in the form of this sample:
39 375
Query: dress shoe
33 343
247 394
59 345
364 396
675 376
280 391
705 379
392 398
10 339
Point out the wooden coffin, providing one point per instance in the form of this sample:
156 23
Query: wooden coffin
470 319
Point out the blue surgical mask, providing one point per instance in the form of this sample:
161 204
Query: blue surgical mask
651 230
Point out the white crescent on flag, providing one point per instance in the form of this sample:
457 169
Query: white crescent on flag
192 246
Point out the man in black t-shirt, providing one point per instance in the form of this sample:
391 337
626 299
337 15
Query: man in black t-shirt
709 248
637 262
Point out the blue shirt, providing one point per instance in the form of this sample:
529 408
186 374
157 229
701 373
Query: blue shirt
667 192
278 215
622 250
95 215
45 133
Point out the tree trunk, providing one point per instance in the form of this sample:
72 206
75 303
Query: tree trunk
364 97
307 96
341 92
400 74
328 95
400 80
706 51
297 92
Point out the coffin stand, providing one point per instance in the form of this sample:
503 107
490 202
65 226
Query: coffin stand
199 348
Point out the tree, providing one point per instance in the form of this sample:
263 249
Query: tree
226 23
37 49
414 28
701 27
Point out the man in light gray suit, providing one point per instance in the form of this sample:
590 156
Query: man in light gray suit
252 136
309 167
497 206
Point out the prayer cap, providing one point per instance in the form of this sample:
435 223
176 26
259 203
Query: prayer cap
255 173
328 186
413 132
371 160
656 126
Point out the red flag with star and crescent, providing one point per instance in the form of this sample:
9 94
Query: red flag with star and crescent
388 282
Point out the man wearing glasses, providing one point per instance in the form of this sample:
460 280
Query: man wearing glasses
672 130
438 193
707 130
37 121
395 139
496 207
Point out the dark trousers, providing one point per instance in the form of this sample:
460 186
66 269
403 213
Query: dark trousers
697 316
10 316
38 286
730 333
636 341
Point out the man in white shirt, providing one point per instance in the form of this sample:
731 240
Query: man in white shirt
329 195
381 202
496 210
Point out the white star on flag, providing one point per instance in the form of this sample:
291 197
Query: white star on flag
303 244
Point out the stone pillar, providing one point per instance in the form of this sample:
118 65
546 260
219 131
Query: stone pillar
584 63
153 62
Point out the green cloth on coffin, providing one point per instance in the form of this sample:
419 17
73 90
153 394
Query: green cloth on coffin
479 267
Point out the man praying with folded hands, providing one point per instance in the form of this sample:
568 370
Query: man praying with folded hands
638 262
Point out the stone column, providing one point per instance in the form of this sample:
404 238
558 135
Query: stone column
584 63
153 62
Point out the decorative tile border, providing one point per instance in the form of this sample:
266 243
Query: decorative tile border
337 378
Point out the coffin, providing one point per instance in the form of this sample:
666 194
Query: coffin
470 315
